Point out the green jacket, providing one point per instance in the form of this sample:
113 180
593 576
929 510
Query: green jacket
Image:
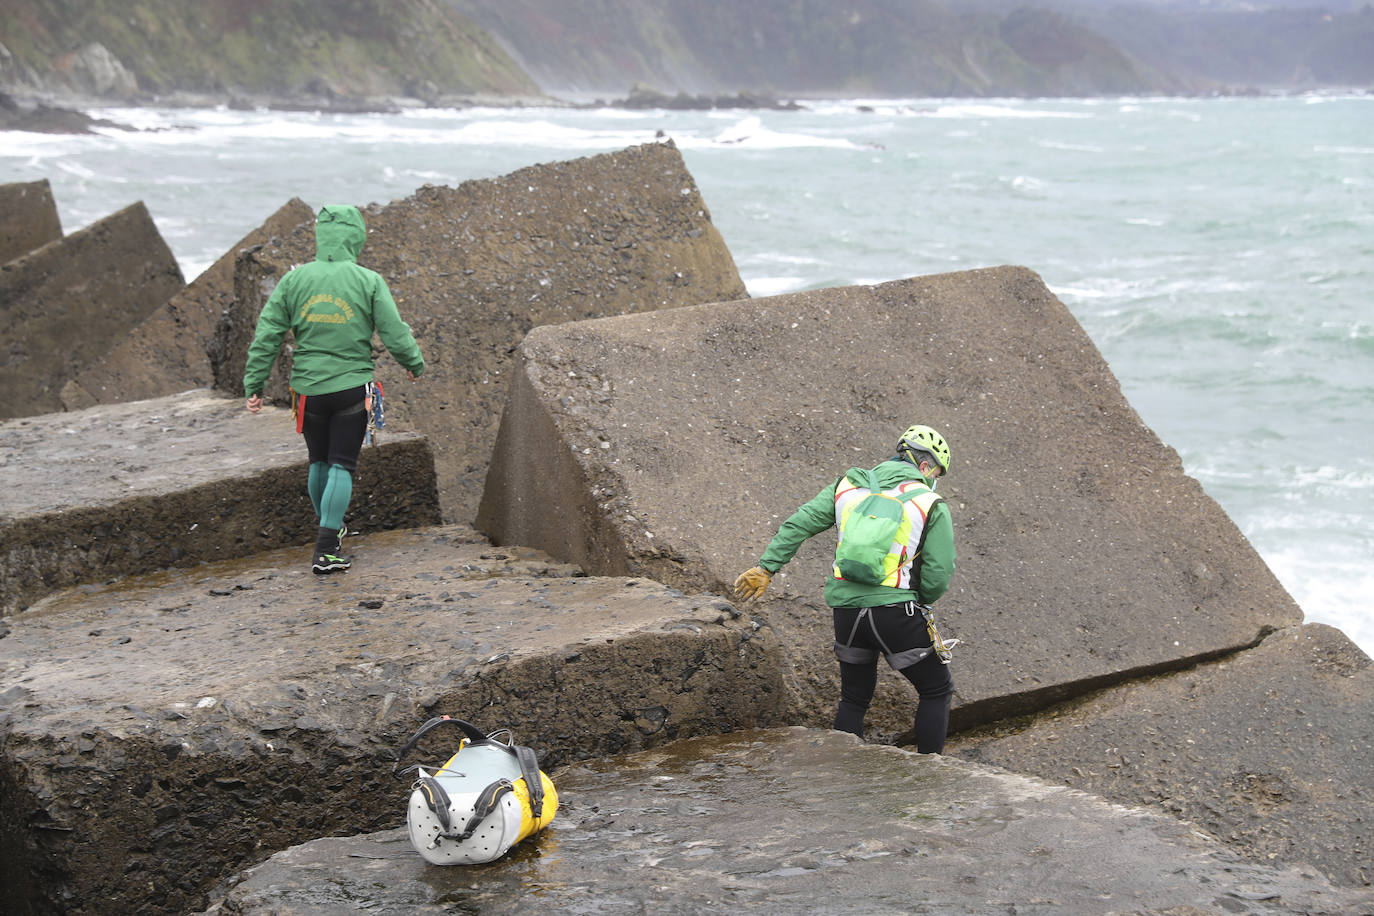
937 552
332 306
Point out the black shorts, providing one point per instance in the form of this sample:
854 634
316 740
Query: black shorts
895 631
334 426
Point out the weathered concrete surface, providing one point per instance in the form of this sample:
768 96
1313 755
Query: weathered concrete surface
129 488
473 268
795 821
1271 750
163 732
28 218
63 305
166 352
672 445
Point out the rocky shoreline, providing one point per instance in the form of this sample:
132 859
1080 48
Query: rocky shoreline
66 115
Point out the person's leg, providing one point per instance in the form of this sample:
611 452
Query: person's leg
338 492
347 427
935 689
902 628
858 668
346 424
319 475
315 431
857 683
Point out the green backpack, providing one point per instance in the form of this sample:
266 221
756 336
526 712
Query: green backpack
868 530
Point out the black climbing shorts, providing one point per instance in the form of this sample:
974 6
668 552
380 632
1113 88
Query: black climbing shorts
896 631
334 426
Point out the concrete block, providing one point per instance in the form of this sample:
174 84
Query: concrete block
473 268
1270 750
672 445
28 218
169 482
161 733
65 304
166 352
801 821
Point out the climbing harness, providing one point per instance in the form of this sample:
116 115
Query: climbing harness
376 415
850 654
487 797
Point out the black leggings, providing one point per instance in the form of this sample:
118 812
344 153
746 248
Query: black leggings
334 427
892 631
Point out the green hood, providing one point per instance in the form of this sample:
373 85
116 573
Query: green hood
339 234
896 470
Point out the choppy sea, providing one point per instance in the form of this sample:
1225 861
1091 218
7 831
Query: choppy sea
1219 252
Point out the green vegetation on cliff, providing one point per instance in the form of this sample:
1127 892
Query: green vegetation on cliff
355 49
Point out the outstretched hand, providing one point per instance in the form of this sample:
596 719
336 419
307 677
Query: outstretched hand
752 583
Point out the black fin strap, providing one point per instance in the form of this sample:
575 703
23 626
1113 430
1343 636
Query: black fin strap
436 798
529 768
485 804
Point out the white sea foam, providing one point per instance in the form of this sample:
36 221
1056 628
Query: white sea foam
760 287
985 111
751 133
1071 147
1332 587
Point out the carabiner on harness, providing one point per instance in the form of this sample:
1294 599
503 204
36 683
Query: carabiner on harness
942 647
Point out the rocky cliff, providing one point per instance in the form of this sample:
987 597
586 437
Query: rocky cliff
367 53
335 52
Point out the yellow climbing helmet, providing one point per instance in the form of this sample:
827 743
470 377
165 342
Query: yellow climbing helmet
925 439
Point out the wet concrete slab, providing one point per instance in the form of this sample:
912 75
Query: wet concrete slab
1270 751
129 488
1086 555
164 731
64 304
791 821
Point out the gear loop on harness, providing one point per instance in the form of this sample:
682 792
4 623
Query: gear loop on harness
376 413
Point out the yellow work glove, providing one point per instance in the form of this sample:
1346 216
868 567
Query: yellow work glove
752 582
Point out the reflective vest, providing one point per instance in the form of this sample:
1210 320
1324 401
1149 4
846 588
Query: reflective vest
906 544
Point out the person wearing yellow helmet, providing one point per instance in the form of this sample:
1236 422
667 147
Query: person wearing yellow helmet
894 558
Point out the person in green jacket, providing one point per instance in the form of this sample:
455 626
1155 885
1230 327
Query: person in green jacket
332 306
884 612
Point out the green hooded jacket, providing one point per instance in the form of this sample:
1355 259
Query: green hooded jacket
332 306
936 561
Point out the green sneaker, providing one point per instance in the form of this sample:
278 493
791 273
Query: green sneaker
329 563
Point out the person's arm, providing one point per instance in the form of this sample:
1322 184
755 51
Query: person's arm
395 333
809 520
937 555
273 323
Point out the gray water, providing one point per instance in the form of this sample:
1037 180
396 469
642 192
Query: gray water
1219 252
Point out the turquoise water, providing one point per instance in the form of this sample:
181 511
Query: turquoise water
1219 252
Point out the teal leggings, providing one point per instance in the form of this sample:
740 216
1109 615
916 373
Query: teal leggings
331 490
334 425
